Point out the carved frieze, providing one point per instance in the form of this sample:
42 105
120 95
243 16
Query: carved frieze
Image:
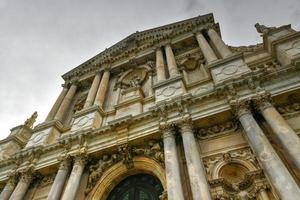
80 102
290 108
218 129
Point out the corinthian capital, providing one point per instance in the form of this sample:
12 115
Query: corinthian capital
167 129
262 101
240 107
26 177
186 124
80 160
65 164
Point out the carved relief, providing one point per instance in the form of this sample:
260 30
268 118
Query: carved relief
229 70
234 175
169 91
245 156
207 132
80 102
133 78
153 150
97 169
125 154
290 108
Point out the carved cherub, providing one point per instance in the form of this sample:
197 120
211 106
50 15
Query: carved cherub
30 121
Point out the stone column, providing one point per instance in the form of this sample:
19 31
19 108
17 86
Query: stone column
74 179
160 65
174 183
171 62
59 181
21 187
219 44
57 103
66 102
101 93
8 189
93 91
286 135
207 51
283 182
262 194
196 170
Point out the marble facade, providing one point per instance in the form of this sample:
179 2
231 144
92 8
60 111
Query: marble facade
208 120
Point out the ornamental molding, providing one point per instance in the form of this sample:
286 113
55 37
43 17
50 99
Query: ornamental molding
231 126
242 156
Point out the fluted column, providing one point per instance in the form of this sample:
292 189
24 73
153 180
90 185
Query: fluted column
283 182
171 62
93 91
101 93
8 189
59 181
174 183
74 180
196 170
286 135
219 44
206 49
66 102
21 187
160 65
57 103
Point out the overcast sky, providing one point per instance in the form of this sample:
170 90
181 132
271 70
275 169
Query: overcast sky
42 39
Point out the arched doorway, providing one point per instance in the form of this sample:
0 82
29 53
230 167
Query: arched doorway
137 187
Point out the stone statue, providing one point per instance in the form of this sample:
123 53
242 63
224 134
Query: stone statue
30 121
263 29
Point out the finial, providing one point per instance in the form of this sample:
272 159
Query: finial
30 121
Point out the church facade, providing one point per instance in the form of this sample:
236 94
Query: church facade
167 113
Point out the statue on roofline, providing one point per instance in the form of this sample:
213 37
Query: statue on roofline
30 121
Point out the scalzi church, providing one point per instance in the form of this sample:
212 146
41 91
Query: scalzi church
167 113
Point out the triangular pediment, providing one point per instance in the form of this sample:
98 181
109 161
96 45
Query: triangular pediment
142 40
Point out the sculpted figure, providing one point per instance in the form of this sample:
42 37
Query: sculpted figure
30 121
97 170
263 29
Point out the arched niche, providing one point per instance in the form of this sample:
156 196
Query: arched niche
119 172
238 162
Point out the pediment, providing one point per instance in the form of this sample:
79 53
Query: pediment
142 40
